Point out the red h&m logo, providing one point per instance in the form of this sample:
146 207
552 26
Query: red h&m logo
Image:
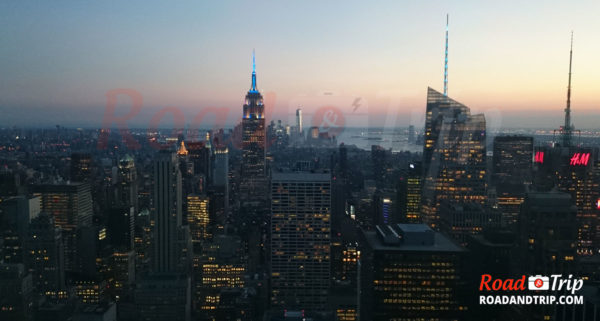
539 157
580 159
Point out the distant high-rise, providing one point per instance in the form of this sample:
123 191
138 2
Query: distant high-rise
120 227
45 256
300 239
299 121
199 154
379 158
15 215
221 167
198 219
127 184
253 172
513 159
411 134
69 204
81 167
454 156
71 208
16 292
409 194
167 212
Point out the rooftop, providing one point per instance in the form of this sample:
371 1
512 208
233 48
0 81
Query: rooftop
417 231
300 176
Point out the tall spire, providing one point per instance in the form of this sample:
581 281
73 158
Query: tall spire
446 59
253 72
567 129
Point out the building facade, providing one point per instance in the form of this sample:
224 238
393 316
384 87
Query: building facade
300 239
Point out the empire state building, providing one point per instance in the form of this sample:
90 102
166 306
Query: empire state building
253 185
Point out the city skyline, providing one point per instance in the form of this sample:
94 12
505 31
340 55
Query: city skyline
257 161
387 61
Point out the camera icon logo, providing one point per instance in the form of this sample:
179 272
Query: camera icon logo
538 282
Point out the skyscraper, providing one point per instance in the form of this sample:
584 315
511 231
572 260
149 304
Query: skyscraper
300 239
71 208
299 121
548 233
221 180
513 159
167 211
198 219
127 185
409 272
81 167
221 167
578 176
45 256
454 155
253 172
199 155
409 194
222 266
16 292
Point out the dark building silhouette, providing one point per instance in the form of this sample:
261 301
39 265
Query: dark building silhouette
380 158
45 256
410 272
513 159
81 167
409 191
548 233
70 205
120 227
167 212
126 188
16 292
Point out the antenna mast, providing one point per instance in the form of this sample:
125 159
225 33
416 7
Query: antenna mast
446 59
567 129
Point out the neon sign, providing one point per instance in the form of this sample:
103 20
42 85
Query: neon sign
539 157
580 159
598 204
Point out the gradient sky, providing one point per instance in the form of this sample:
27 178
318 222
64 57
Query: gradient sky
508 59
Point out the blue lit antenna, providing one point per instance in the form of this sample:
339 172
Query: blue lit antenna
253 72
446 59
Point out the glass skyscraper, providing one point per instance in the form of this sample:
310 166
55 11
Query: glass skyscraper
454 156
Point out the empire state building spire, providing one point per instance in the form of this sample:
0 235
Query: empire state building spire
253 89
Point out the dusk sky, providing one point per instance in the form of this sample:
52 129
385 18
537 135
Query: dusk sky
508 59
